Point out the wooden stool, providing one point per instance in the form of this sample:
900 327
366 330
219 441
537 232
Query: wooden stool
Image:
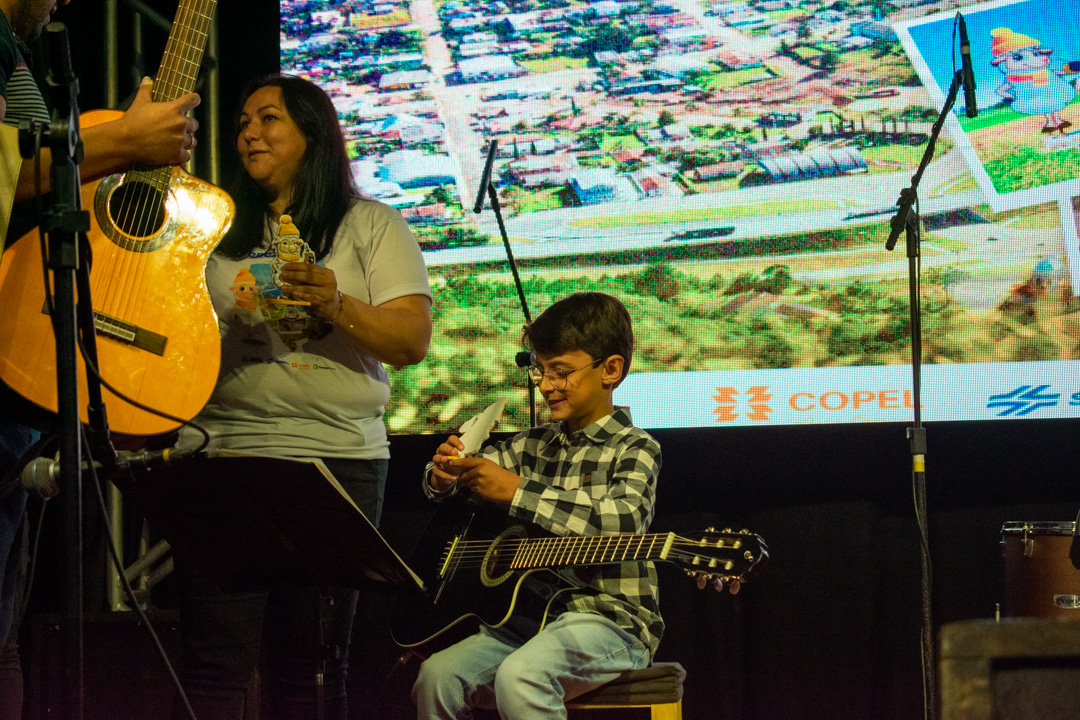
1018 668
658 687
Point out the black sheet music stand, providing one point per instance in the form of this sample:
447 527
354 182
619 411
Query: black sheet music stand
257 522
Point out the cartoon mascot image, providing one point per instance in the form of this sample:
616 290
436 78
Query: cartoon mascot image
1031 87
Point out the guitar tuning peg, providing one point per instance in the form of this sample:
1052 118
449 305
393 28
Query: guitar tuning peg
727 530
710 529
744 531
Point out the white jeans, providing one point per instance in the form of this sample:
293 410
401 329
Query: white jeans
572 655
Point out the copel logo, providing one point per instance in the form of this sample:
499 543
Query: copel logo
757 402
856 400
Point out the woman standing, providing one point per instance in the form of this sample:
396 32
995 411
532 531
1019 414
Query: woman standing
315 289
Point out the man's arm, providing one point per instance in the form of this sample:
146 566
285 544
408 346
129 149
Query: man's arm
149 133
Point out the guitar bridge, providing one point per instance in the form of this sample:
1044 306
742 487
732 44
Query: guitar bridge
129 334
126 332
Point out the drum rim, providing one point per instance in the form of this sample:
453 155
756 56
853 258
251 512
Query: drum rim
1036 527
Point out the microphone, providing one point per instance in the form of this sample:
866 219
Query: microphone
62 72
970 104
485 179
62 81
40 474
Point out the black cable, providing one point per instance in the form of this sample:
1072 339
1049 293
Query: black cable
31 570
128 590
39 212
92 370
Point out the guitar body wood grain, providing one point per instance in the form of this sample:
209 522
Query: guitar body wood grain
158 338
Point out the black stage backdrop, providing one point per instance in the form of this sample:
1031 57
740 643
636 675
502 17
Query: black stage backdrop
831 630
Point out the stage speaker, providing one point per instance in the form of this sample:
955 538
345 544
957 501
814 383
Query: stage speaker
1015 669
125 676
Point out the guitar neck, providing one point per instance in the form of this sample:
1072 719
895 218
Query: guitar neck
178 71
555 552
184 50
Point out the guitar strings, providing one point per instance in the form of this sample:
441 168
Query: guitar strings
598 540
136 209
141 203
152 181
181 75
170 86
683 558
473 553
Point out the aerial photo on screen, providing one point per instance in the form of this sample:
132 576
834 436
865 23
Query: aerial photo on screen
729 169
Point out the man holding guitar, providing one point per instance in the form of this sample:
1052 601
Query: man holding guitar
148 133
590 472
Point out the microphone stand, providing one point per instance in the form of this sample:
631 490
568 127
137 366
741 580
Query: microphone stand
907 221
524 358
65 223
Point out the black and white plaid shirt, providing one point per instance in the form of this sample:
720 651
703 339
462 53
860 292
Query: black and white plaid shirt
599 480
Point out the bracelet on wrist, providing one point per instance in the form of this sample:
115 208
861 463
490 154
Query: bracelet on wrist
341 308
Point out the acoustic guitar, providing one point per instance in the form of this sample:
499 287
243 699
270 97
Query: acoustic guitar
475 573
152 231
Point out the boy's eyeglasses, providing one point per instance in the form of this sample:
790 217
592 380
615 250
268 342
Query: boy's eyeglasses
557 378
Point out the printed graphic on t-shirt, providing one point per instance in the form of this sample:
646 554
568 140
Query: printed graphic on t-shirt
258 299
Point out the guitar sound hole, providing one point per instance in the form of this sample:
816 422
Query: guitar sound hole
137 209
499 558
498 562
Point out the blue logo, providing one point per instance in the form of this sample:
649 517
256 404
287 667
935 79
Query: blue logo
1023 400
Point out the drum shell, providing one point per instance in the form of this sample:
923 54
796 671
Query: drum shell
1040 580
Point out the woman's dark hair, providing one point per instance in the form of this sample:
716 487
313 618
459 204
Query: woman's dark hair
592 322
323 189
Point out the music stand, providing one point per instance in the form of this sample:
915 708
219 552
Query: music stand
251 522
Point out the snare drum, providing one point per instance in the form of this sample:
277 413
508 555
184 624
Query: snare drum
1040 580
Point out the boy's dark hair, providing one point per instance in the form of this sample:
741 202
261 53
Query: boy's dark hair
592 322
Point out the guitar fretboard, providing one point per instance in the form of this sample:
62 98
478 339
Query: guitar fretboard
178 71
184 50
551 552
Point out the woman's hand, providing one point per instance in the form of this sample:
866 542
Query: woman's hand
396 332
314 284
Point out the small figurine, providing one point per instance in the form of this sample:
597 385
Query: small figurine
288 247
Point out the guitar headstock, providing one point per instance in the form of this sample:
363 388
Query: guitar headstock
720 557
